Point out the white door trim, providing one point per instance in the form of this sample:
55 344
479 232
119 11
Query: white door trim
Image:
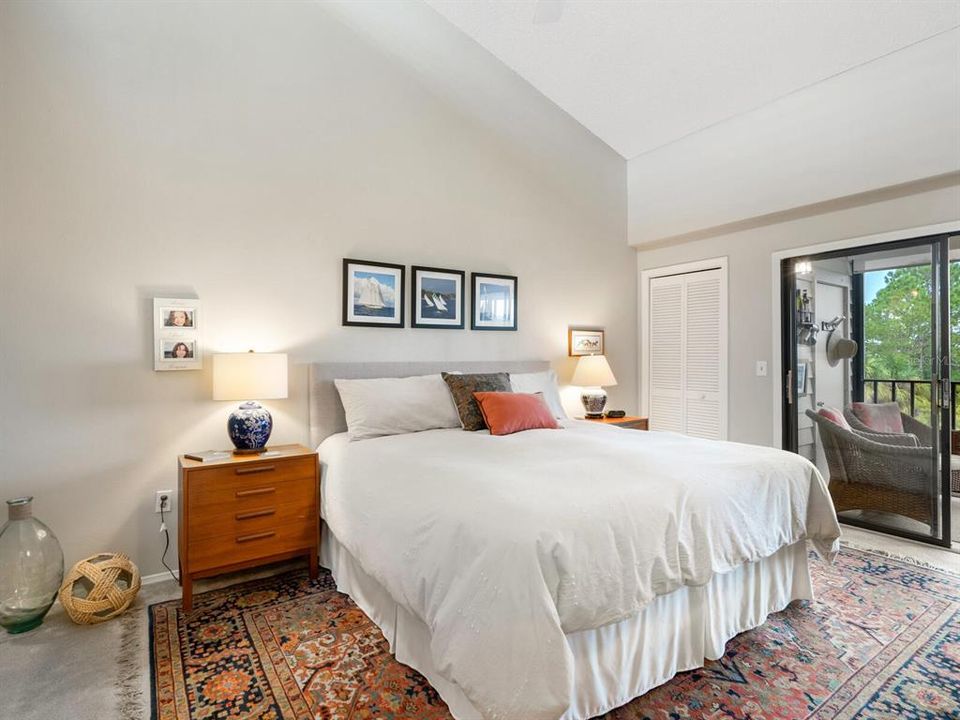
778 256
643 351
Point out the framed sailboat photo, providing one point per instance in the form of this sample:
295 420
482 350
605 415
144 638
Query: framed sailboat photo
494 302
372 294
436 298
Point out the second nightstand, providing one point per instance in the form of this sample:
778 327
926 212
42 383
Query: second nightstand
632 423
247 510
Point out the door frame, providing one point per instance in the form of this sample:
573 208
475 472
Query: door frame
776 334
786 428
643 351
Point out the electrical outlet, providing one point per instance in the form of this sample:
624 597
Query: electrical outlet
761 368
160 503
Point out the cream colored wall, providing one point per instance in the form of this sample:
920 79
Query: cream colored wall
238 152
751 306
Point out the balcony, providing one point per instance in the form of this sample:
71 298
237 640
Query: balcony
913 396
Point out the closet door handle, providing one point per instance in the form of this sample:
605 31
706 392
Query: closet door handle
255 536
255 491
253 470
255 514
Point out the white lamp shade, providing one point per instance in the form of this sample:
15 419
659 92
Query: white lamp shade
249 376
593 371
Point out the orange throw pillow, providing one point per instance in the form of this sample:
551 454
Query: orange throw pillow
507 412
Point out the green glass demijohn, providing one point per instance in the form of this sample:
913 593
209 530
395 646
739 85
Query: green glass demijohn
31 568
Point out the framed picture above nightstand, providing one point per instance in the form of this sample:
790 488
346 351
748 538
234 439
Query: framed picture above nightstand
176 334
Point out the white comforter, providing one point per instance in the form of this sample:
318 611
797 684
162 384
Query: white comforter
503 544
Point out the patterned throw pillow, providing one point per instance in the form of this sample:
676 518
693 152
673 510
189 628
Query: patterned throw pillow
462 388
882 417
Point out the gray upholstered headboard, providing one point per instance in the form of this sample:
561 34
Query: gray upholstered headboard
326 410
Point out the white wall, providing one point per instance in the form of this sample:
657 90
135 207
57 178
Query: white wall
751 306
238 152
892 121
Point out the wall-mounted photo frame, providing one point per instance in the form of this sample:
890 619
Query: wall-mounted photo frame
372 294
493 302
176 334
437 298
585 341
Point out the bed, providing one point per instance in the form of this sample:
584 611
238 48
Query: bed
559 573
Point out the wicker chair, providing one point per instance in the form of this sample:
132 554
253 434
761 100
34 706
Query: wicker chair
924 434
911 425
878 471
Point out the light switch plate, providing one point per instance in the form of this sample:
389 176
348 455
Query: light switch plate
761 368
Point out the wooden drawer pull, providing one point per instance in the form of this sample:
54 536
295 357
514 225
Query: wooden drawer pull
255 491
253 470
255 536
255 514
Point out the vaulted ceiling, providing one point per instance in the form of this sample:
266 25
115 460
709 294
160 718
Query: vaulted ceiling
641 75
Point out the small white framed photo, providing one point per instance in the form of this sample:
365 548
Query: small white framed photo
175 349
174 318
494 302
176 334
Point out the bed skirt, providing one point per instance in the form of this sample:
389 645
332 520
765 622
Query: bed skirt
615 663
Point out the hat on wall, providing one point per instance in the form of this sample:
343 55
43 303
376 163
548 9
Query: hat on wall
839 348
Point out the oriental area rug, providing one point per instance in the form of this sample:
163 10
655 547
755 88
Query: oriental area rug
882 640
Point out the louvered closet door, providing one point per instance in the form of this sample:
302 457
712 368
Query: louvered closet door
702 361
666 353
687 354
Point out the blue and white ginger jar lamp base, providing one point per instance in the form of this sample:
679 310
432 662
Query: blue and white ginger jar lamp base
249 427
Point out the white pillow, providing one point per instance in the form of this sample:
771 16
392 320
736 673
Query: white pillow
391 406
543 382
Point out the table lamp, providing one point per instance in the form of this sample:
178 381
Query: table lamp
592 373
249 376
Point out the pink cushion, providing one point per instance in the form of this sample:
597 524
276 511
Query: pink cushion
507 412
834 416
882 417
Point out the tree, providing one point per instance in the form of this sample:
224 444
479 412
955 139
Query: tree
897 332
897 327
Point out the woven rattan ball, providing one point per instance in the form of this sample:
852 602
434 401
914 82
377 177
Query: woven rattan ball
99 588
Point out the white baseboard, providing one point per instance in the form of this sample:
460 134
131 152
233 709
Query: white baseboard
157 577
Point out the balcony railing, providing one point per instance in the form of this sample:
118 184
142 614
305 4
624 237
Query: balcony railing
913 396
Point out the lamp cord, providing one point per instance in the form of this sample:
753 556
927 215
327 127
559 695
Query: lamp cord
166 545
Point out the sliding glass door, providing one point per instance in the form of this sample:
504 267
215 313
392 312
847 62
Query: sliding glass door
867 382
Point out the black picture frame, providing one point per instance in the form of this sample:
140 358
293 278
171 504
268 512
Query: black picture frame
349 318
415 272
475 279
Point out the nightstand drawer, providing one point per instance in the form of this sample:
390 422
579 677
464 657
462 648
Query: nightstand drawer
641 424
239 547
263 482
243 518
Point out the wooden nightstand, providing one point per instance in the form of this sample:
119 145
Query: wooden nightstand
245 511
633 423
